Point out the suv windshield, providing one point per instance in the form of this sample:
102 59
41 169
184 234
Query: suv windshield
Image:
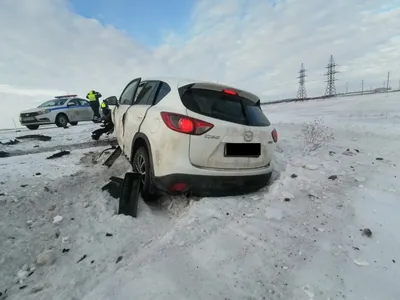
55 102
218 105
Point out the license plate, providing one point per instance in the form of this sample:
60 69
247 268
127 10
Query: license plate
28 119
242 149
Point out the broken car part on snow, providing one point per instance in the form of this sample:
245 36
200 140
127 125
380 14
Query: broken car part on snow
127 190
16 141
10 142
59 154
39 137
4 154
114 187
130 191
113 157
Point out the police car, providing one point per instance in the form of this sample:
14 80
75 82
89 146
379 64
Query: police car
60 111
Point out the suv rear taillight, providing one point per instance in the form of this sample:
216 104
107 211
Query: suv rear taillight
185 124
274 134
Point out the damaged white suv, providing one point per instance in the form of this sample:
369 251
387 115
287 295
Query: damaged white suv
194 137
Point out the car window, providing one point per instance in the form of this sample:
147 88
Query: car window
83 102
163 91
127 95
73 102
56 102
146 93
139 90
256 117
218 105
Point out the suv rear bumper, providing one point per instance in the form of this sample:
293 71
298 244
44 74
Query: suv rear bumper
211 186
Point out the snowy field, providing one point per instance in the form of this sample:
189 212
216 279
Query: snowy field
303 237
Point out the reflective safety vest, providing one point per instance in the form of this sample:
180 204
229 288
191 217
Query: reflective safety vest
103 105
92 96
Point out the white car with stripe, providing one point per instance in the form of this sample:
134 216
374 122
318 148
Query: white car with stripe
60 111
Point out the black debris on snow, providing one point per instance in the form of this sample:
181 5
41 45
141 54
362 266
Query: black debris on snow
367 232
4 154
82 258
59 154
38 137
10 142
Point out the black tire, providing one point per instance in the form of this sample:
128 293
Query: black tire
141 164
62 120
73 123
32 127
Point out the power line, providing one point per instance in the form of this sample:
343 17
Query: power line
330 75
362 87
388 82
302 93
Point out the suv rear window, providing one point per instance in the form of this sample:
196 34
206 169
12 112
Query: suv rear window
218 105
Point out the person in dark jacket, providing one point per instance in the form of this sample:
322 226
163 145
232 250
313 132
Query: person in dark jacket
107 126
94 101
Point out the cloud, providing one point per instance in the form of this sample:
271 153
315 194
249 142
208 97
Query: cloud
255 45
12 90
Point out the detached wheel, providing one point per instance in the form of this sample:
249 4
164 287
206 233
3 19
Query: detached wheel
73 123
32 127
61 120
141 164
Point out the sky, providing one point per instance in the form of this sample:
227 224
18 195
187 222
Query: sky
51 47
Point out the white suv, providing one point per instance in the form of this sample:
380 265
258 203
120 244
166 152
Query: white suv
194 137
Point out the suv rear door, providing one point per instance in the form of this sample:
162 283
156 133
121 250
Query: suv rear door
241 137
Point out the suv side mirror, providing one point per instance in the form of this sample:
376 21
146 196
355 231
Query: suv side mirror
112 100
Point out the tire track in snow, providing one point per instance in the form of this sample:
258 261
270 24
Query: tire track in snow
91 144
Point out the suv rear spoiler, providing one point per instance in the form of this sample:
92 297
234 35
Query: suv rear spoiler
219 88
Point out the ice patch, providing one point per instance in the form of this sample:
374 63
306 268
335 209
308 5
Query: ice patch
311 167
273 213
361 262
57 219
360 179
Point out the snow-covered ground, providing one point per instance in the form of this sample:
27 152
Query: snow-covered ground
300 238
76 137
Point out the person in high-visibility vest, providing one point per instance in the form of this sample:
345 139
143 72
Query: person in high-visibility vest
94 101
106 111
107 126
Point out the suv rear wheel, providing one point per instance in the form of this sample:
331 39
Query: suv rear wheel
141 164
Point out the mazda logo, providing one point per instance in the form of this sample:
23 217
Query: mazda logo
248 136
